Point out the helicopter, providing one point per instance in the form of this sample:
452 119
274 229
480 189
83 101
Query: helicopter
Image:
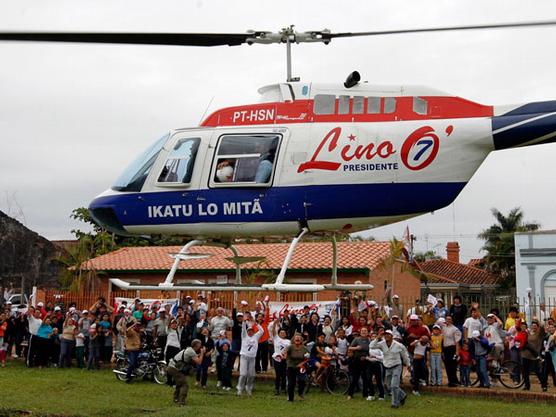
309 158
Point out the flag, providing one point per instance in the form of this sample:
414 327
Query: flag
175 308
408 244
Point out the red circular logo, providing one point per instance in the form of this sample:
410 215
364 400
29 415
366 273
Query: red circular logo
420 148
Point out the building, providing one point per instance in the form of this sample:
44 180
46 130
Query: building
311 264
535 265
448 277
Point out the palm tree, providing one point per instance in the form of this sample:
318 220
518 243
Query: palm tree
500 246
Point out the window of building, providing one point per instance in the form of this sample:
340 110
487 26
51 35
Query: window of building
343 105
373 105
179 164
245 159
389 105
325 104
420 105
358 105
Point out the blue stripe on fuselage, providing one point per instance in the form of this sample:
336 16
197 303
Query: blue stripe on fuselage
279 204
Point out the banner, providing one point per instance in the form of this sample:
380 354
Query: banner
146 302
322 307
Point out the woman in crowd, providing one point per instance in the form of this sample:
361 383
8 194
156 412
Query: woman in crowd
202 369
173 345
263 320
280 343
296 355
530 354
43 342
67 341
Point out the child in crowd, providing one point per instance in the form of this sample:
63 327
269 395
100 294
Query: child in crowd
80 350
227 365
421 346
465 364
436 356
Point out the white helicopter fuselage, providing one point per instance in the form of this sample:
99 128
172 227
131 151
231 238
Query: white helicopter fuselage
342 160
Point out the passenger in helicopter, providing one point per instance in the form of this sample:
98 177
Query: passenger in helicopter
266 163
225 170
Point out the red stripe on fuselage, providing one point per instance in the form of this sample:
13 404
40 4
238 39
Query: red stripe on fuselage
301 111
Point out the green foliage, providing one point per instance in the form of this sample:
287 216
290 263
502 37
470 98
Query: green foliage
500 246
426 256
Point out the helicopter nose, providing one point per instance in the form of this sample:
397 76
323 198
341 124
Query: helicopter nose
103 213
524 125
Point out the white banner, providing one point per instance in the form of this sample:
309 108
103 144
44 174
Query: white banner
146 302
322 307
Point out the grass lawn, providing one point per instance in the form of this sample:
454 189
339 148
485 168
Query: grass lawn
74 392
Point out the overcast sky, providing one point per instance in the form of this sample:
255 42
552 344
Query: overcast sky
73 116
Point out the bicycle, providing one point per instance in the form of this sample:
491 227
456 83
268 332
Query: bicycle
509 373
334 378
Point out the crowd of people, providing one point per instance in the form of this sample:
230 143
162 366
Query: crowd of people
373 342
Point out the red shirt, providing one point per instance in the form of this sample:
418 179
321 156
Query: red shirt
464 357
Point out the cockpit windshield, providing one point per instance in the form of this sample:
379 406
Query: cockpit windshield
134 176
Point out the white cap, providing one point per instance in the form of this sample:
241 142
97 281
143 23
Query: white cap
40 304
222 333
57 308
476 333
244 303
72 309
371 303
390 332
414 317
395 296
8 302
85 311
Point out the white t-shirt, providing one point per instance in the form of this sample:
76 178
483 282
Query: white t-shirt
420 349
280 346
342 346
492 333
472 324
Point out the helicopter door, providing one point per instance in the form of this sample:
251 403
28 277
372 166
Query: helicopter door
242 175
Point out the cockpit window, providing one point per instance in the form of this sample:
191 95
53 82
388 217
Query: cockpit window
134 176
179 164
245 159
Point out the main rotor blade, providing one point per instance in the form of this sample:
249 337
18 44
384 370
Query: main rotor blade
186 39
439 29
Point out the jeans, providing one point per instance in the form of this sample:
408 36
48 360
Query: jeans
202 371
280 379
66 352
451 364
528 366
375 369
419 372
359 370
293 377
132 356
436 368
482 371
393 379
262 357
464 374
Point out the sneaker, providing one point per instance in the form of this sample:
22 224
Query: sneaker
218 384
349 397
238 393
196 383
381 398
370 398
416 393
249 393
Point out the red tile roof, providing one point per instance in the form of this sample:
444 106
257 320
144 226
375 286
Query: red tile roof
310 255
476 262
443 270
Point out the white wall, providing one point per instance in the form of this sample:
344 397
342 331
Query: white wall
535 262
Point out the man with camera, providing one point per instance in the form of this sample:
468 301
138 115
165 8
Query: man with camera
180 366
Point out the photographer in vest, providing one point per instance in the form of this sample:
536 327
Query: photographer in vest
180 366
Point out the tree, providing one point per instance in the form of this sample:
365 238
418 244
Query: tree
500 246
426 256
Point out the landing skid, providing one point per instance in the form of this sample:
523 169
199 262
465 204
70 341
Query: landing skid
279 285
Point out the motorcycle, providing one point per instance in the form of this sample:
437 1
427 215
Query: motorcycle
150 365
